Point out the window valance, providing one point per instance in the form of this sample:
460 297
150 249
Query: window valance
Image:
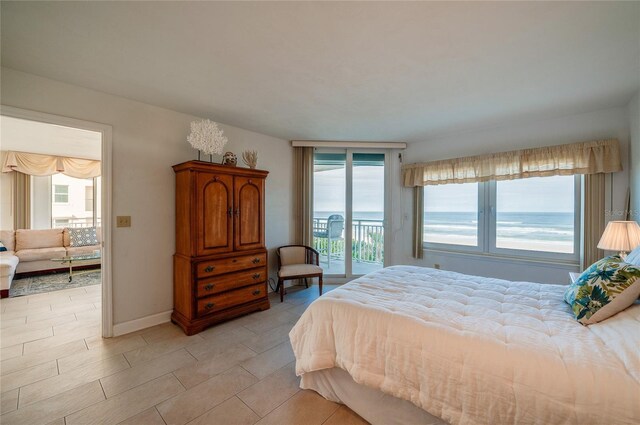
601 156
46 165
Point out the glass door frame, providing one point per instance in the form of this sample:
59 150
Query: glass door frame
348 222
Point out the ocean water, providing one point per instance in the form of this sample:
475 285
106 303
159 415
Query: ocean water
540 226
532 226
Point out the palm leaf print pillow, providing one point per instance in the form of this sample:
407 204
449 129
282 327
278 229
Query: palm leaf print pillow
607 287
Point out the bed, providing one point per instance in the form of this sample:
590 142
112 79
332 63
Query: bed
416 345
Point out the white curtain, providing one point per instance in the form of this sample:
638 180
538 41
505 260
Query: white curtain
601 156
45 165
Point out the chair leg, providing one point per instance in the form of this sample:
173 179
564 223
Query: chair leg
320 283
281 285
306 282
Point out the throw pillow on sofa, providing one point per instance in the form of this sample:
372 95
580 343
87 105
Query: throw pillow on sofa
83 236
607 287
2 247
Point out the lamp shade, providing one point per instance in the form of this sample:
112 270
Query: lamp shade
621 236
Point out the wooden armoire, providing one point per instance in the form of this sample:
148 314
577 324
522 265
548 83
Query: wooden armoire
220 264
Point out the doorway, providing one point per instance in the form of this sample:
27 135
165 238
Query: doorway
349 213
71 197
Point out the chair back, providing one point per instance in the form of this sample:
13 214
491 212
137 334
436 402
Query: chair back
335 225
292 255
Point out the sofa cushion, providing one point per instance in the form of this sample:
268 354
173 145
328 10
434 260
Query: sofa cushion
42 253
82 250
67 240
8 238
8 263
33 239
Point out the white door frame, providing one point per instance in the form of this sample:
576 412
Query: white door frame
106 172
348 227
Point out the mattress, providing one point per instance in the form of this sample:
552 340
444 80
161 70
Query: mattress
474 350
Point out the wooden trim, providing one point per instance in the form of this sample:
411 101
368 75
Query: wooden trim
217 168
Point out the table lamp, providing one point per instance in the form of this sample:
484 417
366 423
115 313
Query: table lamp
622 236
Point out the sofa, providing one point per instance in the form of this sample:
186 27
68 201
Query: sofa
30 251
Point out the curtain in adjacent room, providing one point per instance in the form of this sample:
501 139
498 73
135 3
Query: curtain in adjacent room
22 201
418 222
601 156
303 195
46 165
594 217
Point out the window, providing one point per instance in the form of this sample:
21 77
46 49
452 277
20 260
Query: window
73 202
451 214
534 217
88 198
61 194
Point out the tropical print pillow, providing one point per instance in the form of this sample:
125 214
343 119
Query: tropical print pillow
607 287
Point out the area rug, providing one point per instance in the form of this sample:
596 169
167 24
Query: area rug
52 282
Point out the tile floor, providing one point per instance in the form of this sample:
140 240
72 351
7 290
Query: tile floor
56 369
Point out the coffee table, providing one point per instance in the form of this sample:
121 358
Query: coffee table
78 260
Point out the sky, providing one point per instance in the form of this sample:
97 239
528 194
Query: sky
536 194
368 189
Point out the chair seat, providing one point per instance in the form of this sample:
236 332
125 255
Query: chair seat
299 270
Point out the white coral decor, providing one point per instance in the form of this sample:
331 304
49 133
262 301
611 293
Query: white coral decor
207 137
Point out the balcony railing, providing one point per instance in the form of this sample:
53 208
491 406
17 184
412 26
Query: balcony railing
368 241
73 222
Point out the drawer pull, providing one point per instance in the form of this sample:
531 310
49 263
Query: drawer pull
256 292
208 287
256 260
209 269
209 306
256 276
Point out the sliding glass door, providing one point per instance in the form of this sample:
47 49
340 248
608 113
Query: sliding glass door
349 211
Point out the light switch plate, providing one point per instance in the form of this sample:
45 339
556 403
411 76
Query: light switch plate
123 221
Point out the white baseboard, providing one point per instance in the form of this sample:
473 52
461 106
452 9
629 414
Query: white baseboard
142 323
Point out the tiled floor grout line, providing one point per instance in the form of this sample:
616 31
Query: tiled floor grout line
249 407
335 412
159 414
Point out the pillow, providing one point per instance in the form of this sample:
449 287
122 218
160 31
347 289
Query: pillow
607 287
83 236
633 257
2 247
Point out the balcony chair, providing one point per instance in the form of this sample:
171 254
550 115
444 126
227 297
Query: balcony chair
297 262
333 231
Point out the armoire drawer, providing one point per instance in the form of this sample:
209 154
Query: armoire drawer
228 299
231 264
217 284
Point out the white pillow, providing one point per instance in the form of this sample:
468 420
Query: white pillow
634 257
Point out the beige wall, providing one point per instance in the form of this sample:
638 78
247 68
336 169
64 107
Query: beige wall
634 124
147 141
6 186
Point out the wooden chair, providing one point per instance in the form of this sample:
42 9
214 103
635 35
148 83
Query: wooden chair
297 262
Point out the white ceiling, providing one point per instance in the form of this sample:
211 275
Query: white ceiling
334 70
37 137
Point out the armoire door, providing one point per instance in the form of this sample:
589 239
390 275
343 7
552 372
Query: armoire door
249 214
214 212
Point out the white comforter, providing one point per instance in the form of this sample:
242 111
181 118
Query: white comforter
474 350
